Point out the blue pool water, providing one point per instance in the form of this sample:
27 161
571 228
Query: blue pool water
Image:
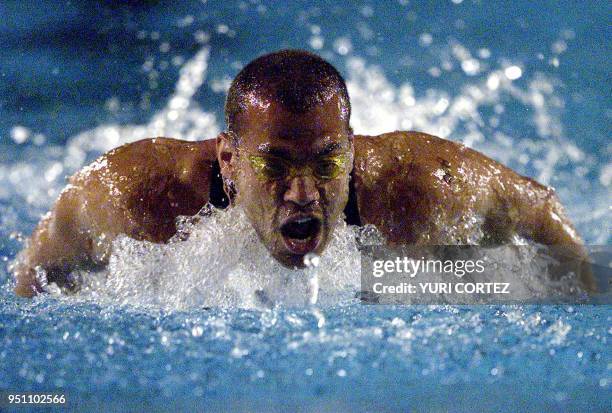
525 83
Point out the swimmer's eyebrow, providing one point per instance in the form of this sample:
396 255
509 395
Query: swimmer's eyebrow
329 148
284 153
279 152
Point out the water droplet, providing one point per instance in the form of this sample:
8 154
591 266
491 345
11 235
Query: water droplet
20 134
425 39
316 42
312 260
513 72
197 331
343 46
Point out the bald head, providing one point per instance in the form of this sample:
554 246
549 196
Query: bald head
295 79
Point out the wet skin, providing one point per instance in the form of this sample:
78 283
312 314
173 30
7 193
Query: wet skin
416 188
274 138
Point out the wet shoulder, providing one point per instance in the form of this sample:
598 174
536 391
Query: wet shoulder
404 148
407 181
145 185
145 159
400 156
440 163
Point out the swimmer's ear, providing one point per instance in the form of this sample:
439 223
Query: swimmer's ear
226 154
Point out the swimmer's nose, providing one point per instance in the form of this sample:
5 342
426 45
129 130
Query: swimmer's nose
302 191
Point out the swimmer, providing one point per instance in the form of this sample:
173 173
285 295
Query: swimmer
290 160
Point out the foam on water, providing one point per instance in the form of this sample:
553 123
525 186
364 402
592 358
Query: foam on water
217 260
222 263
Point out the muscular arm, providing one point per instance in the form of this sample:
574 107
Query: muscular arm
420 189
137 189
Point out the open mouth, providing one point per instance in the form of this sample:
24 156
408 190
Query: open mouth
301 233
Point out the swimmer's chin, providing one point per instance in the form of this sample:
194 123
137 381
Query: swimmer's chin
294 261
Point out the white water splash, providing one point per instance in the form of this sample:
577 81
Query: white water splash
459 117
222 263
217 260
182 118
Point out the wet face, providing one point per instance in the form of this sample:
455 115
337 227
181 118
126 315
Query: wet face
291 174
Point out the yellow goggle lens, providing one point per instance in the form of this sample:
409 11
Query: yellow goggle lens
271 168
329 167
